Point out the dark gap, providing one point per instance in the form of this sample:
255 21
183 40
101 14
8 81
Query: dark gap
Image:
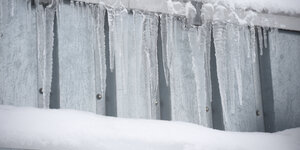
54 95
267 88
67 1
164 90
217 111
110 94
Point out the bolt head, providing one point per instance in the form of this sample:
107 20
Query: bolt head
99 96
41 90
156 102
257 113
207 109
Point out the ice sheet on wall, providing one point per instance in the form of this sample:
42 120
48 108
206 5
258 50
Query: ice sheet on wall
26 40
285 73
186 61
133 51
238 76
81 48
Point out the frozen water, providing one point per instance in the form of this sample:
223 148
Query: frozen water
45 36
186 53
133 50
238 76
82 68
26 49
260 40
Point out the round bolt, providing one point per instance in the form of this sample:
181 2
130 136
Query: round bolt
257 113
41 90
156 102
99 96
207 109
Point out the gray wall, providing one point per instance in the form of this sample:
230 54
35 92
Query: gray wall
146 66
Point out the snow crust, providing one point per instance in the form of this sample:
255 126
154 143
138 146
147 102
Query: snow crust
179 8
32 128
290 7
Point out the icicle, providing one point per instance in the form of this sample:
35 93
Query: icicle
13 5
45 39
253 43
260 40
72 4
164 26
1 11
101 46
48 59
167 26
220 35
59 4
111 23
247 40
265 30
28 15
237 64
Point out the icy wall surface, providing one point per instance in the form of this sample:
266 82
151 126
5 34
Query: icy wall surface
133 56
186 61
158 65
26 40
81 55
238 76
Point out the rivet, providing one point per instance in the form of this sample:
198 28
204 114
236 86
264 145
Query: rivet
99 96
156 102
257 113
207 109
41 91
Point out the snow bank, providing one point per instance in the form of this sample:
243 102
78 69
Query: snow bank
290 7
34 128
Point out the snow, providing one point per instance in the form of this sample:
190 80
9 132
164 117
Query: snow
290 7
32 128
179 8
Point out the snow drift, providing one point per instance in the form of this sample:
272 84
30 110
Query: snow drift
32 128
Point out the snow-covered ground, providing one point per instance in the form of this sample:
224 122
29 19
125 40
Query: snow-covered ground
33 128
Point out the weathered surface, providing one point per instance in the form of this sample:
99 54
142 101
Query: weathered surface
186 54
80 48
18 54
238 77
285 73
133 53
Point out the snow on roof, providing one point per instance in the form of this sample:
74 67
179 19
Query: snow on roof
288 7
33 128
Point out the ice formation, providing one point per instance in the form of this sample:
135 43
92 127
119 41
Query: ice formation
186 62
45 39
82 61
133 54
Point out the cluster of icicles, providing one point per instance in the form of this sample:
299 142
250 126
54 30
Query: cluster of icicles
186 56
